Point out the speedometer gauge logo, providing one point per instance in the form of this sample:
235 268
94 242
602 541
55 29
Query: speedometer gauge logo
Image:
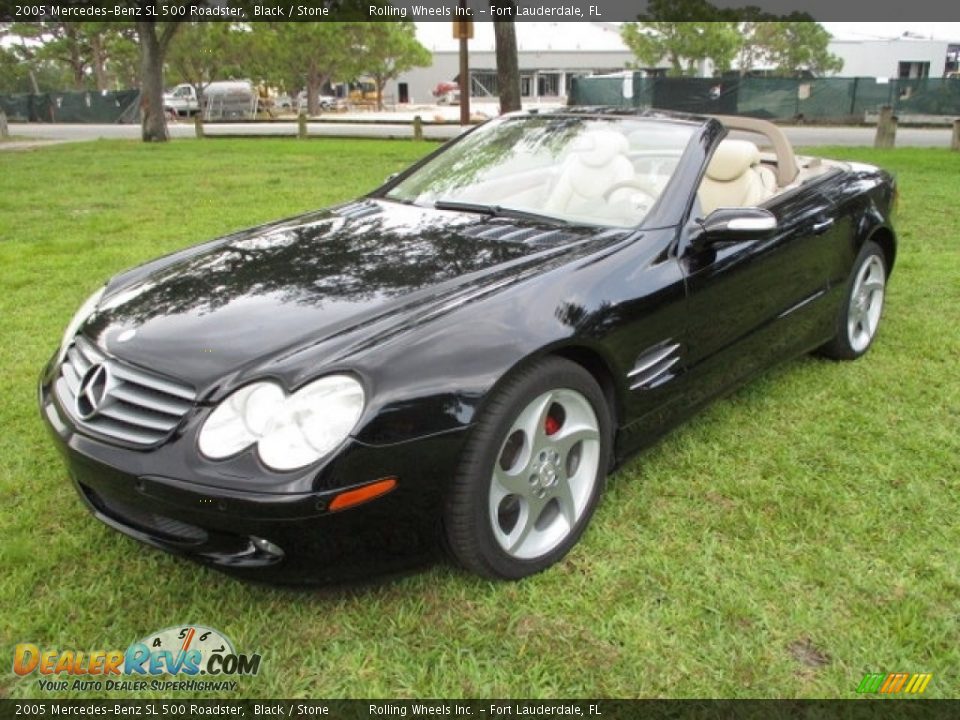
190 650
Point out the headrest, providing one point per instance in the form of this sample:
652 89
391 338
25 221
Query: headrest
732 159
597 148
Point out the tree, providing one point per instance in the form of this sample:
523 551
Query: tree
685 33
153 51
683 44
57 55
67 44
205 51
789 46
296 55
508 66
26 43
111 47
391 48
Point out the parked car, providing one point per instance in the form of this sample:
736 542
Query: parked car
326 102
460 357
283 102
449 98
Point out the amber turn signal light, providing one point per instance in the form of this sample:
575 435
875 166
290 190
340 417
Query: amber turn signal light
362 494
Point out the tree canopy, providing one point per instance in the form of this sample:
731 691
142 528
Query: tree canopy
390 49
686 33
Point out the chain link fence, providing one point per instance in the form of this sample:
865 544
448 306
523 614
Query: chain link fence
824 99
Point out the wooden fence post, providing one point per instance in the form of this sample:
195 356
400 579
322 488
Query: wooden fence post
302 125
886 128
198 125
955 140
417 127
5 131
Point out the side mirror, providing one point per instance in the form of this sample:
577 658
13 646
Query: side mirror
725 225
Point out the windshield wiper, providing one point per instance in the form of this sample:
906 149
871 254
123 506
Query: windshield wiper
496 211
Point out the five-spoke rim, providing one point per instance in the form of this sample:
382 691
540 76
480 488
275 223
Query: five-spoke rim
866 302
544 474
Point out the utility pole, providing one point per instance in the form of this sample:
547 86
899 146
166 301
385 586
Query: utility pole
463 30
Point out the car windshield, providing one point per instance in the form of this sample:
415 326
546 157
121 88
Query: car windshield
587 170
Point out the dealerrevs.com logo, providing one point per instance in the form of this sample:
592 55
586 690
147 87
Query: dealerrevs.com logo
191 651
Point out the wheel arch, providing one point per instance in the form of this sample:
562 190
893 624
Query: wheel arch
590 358
597 365
884 237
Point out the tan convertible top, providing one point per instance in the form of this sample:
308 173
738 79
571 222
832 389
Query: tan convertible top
787 169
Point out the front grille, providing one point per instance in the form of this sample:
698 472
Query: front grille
138 407
159 525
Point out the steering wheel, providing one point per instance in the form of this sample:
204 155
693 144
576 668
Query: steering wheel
633 184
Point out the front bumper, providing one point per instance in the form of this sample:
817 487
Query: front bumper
240 530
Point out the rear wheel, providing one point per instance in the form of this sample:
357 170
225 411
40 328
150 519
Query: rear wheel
531 473
862 307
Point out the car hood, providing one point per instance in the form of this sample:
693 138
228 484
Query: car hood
223 306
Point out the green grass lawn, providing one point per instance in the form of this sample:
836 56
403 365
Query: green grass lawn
792 537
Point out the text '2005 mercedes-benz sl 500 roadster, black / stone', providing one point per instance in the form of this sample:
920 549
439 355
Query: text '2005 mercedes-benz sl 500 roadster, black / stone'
458 359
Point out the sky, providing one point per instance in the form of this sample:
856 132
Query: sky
874 30
437 36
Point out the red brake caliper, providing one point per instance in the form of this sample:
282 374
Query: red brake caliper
551 425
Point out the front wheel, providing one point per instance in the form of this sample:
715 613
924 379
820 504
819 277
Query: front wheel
859 317
532 472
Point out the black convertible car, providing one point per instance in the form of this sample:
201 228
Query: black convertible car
461 357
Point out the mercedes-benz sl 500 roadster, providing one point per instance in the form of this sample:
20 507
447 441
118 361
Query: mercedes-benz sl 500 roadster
458 359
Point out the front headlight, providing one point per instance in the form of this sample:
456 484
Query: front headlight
79 317
239 421
290 432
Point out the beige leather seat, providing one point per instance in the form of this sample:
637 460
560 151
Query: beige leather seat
598 160
735 178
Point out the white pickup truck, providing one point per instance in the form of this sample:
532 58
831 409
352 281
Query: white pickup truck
182 100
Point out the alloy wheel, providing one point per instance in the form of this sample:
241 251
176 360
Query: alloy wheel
545 474
866 303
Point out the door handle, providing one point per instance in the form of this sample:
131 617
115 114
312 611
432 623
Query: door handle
822 226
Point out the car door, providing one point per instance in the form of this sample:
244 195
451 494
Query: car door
754 301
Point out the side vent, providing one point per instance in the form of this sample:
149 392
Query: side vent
357 210
652 368
505 232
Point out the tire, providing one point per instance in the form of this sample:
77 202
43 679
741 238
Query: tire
862 307
531 473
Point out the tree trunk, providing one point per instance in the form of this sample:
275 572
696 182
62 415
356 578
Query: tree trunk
886 136
78 76
74 57
313 92
153 123
379 81
99 62
508 66
33 81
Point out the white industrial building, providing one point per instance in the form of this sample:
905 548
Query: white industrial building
552 53
901 57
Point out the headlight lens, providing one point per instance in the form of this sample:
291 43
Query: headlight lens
290 432
240 420
85 311
312 422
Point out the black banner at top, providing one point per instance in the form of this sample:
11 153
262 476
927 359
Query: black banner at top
42 709
477 10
